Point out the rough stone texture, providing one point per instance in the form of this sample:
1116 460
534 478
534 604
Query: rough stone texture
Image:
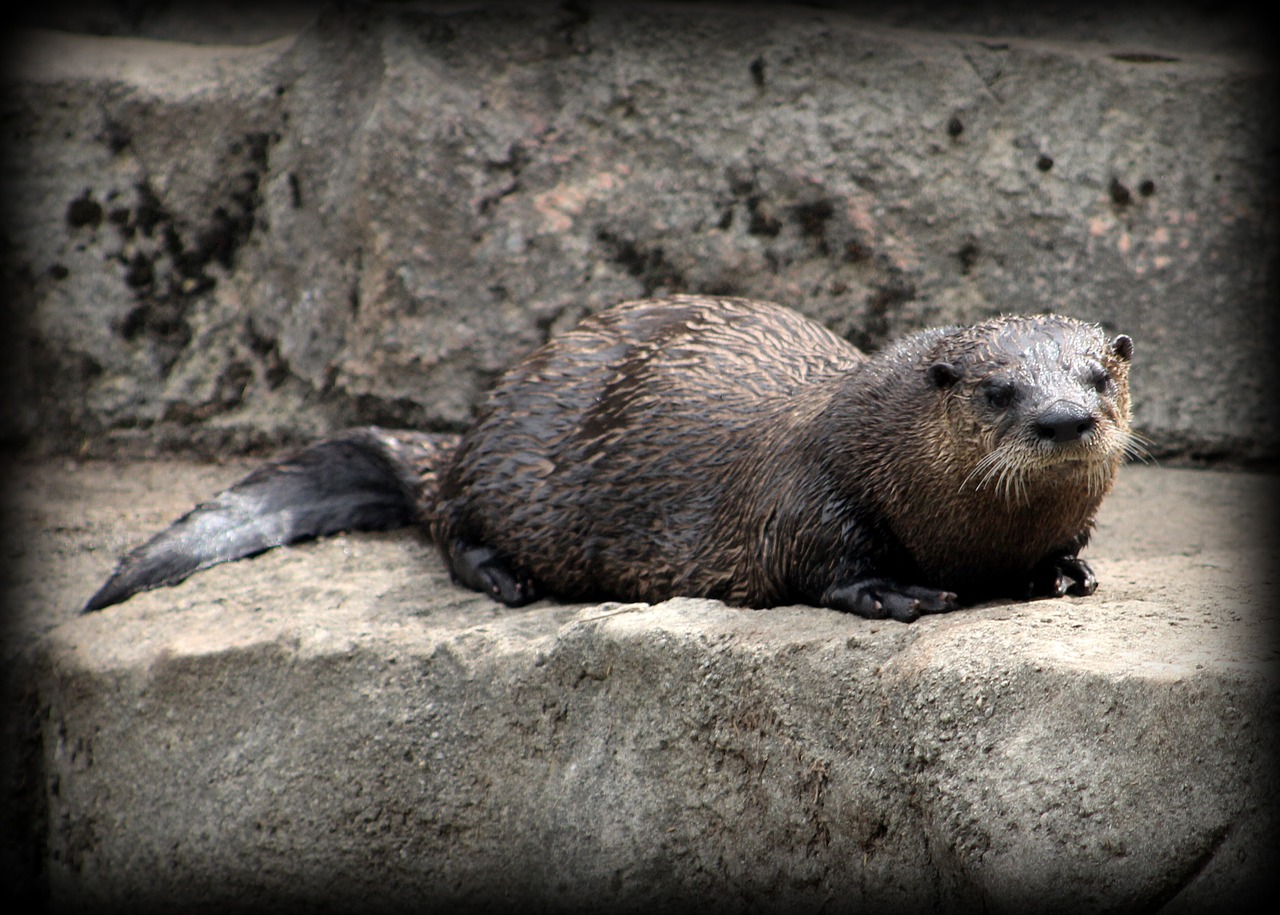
216 247
334 723
232 246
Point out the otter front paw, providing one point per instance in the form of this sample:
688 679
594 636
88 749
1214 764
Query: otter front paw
881 598
1062 574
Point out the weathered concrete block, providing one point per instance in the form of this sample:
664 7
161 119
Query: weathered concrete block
230 246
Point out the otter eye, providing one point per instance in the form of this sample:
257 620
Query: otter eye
998 392
1096 376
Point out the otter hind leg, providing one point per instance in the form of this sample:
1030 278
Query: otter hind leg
883 598
480 568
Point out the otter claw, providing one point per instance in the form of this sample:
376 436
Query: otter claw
880 598
1063 574
505 587
479 568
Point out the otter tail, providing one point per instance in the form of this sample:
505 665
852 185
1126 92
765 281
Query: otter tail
362 479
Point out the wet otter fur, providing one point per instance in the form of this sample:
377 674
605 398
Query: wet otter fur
720 447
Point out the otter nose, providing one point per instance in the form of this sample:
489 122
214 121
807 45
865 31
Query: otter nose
1065 422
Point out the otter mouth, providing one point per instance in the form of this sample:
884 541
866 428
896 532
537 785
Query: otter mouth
1078 453
1015 468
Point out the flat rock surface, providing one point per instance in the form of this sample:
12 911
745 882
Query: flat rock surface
1191 548
336 722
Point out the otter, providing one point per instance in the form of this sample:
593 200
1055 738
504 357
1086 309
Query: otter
727 448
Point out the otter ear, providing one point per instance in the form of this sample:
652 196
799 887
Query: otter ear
1122 347
944 374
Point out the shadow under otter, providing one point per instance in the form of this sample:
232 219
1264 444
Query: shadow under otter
719 447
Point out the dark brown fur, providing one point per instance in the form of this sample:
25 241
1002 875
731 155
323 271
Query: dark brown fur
733 449
725 448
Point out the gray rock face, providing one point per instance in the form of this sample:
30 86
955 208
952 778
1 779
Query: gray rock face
221 247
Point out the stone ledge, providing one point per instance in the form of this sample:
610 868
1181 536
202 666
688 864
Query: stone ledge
335 723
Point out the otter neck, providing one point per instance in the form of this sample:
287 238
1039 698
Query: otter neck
963 533
898 452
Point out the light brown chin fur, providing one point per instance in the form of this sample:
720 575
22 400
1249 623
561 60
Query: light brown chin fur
1011 470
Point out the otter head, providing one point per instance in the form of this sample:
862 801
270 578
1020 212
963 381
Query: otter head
1035 402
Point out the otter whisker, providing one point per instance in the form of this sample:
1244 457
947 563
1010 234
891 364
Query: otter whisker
1002 481
1004 470
985 469
985 473
1015 482
1099 475
1134 447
